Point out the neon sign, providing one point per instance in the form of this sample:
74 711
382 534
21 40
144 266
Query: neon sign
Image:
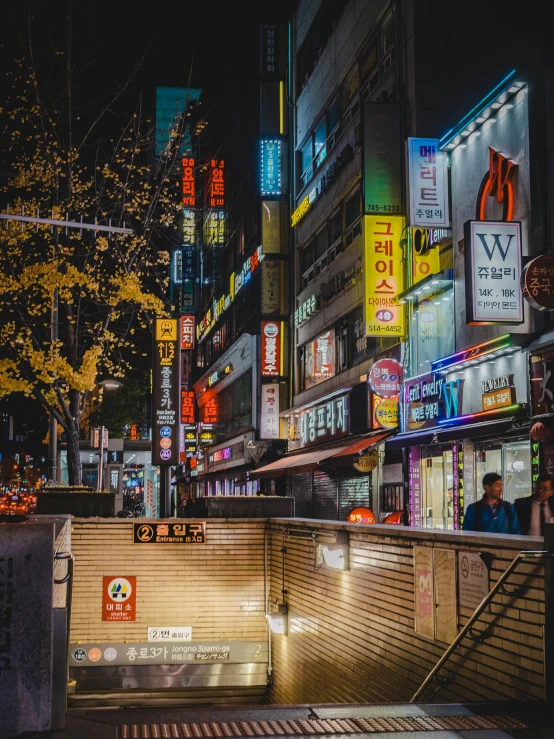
270 167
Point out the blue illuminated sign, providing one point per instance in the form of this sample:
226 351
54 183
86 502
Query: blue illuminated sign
270 167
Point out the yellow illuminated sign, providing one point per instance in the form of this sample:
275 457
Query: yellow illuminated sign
383 276
301 211
166 329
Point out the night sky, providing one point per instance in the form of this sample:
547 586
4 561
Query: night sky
212 46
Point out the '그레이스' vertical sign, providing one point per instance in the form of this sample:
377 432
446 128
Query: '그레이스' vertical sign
165 392
383 276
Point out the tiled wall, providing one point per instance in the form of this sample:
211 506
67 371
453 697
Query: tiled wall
217 588
351 633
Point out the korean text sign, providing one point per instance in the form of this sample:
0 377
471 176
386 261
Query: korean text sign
270 428
324 422
383 276
189 189
492 251
119 598
165 392
187 332
271 348
428 183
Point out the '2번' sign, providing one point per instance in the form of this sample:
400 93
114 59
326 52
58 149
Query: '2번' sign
493 272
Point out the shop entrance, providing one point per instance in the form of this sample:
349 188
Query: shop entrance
510 459
437 468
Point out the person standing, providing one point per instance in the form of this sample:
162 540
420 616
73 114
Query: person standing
491 514
534 511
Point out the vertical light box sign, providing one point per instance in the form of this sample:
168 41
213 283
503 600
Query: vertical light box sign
492 253
165 392
382 159
270 167
383 276
428 184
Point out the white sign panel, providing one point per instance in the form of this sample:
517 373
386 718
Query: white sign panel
392 473
473 579
428 183
270 412
493 270
169 633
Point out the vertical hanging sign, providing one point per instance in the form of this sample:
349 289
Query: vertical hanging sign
165 392
428 183
383 276
382 158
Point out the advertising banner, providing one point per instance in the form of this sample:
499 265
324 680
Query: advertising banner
165 392
270 167
492 252
381 159
383 276
319 359
428 183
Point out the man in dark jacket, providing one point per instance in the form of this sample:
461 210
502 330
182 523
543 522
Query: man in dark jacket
534 511
491 514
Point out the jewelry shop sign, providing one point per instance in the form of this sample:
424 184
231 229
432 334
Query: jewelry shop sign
169 533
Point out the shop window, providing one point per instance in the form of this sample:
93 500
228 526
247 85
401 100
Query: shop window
509 459
437 489
432 328
319 359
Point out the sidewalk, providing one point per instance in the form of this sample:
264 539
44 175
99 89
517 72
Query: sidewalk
436 721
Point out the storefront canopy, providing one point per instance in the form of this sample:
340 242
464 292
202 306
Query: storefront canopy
295 464
454 433
345 456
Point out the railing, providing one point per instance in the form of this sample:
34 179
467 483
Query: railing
67 578
498 588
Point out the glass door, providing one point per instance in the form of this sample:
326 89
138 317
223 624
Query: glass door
437 488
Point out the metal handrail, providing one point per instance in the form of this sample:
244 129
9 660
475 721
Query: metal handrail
68 578
478 611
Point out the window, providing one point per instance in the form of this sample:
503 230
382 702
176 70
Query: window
387 34
350 89
333 116
319 33
321 242
432 329
352 209
341 347
307 256
306 164
335 227
319 359
320 142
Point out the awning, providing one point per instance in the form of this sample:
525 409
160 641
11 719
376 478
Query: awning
344 456
455 433
295 464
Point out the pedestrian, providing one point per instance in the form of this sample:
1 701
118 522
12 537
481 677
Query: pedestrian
534 511
491 514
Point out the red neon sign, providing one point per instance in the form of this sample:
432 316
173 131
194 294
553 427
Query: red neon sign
497 183
187 407
189 188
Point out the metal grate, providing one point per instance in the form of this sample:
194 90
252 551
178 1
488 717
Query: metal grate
316 726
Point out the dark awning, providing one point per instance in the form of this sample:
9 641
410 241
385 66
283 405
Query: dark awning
454 433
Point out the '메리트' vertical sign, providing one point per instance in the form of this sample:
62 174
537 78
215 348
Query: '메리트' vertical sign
165 392
383 276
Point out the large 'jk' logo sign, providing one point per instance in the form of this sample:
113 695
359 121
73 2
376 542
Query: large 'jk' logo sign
497 183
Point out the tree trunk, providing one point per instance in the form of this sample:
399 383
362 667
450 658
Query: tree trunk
73 433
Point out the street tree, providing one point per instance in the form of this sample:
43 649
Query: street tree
75 303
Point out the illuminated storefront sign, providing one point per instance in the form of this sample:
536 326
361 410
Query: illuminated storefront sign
187 332
189 187
381 158
272 354
214 228
429 400
188 415
189 227
414 489
324 422
386 413
270 167
498 184
221 455
493 272
319 359
218 375
498 392
270 422
472 352
303 208
165 392
271 284
428 183
209 411
304 311
236 282
177 267
215 189
538 282
383 276
385 378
